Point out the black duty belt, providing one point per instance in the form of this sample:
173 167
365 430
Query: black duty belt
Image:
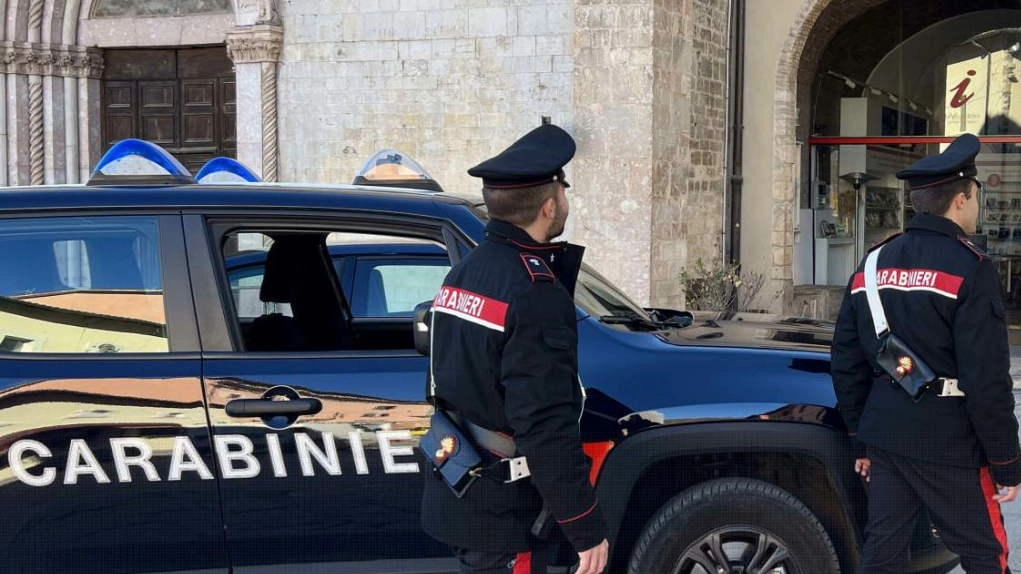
510 467
942 386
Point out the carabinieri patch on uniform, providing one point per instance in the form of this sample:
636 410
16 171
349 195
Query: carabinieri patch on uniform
472 307
939 282
537 268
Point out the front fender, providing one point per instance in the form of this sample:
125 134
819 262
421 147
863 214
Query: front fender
629 461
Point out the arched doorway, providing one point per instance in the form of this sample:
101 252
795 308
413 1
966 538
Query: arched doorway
886 73
52 127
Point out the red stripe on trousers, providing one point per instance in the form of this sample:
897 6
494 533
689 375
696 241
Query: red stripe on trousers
523 565
995 517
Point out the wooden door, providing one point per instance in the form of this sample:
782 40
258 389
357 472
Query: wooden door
184 100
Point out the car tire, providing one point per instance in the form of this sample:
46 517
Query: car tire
754 526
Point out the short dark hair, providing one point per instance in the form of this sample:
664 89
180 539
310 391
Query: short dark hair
937 199
519 206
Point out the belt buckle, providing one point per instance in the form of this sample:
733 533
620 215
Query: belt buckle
949 388
517 469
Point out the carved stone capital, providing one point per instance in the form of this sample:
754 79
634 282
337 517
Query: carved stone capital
257 43
50 60
86 63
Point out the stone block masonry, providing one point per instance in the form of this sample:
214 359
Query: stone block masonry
640 84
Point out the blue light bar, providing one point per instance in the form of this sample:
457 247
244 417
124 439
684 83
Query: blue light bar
225 170
138 162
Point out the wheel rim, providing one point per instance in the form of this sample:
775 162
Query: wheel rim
737 550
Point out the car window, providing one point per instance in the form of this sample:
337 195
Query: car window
392 287
312 290
81 285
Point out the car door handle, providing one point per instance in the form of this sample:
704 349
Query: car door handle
268 408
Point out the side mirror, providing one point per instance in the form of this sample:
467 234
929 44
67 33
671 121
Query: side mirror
423 319
672 317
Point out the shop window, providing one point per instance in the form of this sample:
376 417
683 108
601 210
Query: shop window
81 285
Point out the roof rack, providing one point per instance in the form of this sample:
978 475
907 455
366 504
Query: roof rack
138 162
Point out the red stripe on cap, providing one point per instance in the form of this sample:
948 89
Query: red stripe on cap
523 563
485 311
995 516
912 280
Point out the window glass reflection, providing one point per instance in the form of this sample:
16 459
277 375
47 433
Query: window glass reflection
81 285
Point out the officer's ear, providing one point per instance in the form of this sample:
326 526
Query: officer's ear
549 208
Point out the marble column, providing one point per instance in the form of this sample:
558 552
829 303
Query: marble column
255 51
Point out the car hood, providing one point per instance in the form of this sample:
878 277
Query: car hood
791 334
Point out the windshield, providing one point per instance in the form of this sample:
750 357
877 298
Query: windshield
598 297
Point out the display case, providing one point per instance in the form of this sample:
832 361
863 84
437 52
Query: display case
884 213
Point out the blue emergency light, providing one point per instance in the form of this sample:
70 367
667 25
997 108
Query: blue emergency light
138 162
226 170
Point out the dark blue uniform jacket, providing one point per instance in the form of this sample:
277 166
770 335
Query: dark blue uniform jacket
505 357
942 297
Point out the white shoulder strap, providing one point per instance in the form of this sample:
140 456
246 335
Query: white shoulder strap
872 293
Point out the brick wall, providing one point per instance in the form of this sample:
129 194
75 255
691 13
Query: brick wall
650 99
690 112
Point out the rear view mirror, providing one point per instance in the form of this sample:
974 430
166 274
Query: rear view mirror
423 319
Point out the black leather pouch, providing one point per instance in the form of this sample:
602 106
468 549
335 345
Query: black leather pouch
905 367
451 453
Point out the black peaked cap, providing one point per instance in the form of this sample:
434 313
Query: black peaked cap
538 157
956 162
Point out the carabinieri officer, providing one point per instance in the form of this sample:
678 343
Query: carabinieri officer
504 363
953 448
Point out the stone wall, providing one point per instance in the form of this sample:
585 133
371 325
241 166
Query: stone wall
640 83
690 112
613 97
449 82
650 98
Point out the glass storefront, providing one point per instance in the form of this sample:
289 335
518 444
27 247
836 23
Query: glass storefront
961 73
849 221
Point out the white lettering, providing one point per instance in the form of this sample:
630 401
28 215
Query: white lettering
185 457
122 461
903 279
358 452
308 449
15 459
250 465
276 456
387 451
77 454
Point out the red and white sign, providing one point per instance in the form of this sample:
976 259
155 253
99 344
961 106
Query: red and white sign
472 307
939 282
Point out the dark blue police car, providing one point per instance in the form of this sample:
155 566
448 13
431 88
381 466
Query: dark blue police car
214 378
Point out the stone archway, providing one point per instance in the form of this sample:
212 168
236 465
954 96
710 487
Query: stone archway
49 122
819 21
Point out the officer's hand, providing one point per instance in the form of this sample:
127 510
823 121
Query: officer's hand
862 466
593 560
1010 496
